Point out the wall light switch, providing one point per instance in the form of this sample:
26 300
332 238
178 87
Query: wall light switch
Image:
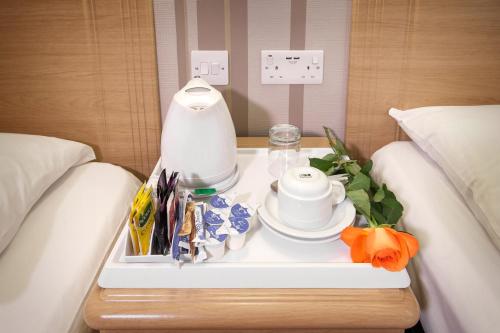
212 66
291 66
204 68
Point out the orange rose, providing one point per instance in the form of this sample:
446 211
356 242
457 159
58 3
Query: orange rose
382 247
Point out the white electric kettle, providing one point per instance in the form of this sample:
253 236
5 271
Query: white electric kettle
198 137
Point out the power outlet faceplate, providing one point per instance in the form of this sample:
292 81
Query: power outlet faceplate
212 66
292 66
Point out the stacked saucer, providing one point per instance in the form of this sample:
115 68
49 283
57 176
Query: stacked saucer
343 216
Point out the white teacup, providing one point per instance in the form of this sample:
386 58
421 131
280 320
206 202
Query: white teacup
306 198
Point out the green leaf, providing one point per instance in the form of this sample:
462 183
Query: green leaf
377 203
329 157
388 194
330 136
359 182
320 164
361 201
379 195
335 143
340 147
367 167
330 171
392 210
352 168
373 186
377 216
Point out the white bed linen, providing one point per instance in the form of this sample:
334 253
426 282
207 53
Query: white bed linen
457 267
50 265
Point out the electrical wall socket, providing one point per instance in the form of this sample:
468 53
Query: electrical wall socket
291 66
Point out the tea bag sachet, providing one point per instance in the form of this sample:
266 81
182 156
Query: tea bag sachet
199 210
141 220
132 216
187 226
165 190
179 222
161 216
144 220
198 238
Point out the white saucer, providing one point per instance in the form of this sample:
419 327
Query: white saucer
220 187
343 216
300 240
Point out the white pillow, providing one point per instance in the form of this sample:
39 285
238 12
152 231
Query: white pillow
465 142
29 164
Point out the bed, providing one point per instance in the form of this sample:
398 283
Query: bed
90 77
455 276
412 54
50 263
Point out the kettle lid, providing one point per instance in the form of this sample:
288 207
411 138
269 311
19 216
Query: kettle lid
198 95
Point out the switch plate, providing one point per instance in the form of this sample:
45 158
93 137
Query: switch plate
212 66
291 66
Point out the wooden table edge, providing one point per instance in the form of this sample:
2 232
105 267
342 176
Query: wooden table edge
250 308
131 309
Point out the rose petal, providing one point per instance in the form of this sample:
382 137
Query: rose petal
393 265
358 250
403 260
410 240
403 254
386 258
379 239
350 234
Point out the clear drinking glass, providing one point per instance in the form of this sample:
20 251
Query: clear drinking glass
284 148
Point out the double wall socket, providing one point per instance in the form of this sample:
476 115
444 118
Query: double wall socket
277 66
291 66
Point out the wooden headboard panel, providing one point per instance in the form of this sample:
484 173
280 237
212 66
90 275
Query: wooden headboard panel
83 70
413 53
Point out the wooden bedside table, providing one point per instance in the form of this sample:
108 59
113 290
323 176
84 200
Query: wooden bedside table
252 310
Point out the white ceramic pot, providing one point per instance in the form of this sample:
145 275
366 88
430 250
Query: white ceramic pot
306 198
198 137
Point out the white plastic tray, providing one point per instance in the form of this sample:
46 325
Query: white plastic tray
266 260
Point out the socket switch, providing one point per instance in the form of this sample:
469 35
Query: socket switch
212 66
291 66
